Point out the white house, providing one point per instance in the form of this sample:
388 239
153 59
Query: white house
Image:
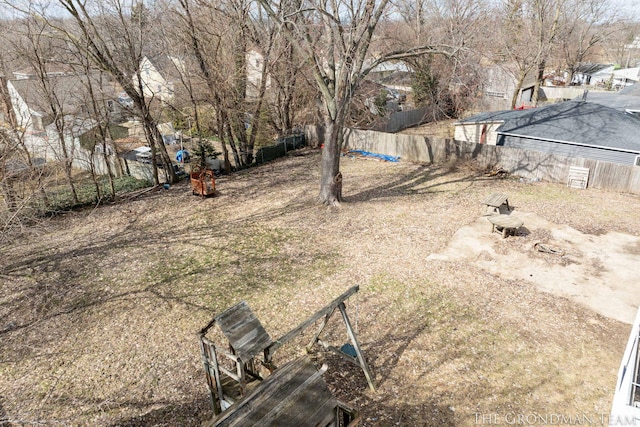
626 76
255 65
159 75
625 409
27 119
31 102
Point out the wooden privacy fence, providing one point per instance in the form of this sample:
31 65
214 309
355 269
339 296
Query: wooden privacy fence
531 165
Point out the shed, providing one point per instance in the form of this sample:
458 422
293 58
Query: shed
570 129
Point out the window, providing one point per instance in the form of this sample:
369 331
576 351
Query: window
637 161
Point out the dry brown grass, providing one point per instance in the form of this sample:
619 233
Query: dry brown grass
99 309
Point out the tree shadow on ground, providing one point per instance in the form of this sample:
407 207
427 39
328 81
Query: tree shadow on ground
423 180
187 414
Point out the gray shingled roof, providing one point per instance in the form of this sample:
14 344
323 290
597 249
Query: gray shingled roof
165 66
578 122
631 90
70 92
495 116
614 100
590 68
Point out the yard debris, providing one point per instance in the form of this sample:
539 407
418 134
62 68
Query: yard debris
541 247
496 171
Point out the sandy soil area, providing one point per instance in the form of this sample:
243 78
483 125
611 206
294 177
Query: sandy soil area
598 271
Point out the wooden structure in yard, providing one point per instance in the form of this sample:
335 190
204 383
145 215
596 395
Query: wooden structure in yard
295 395
495 202
625 408
231 374
505 224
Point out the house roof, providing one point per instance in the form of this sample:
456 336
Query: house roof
52 69
615 100
167 66
589 68
584 123
76 126
494 116
627 73
69 91
631 90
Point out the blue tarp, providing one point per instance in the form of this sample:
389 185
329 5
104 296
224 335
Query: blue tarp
182 153
384 157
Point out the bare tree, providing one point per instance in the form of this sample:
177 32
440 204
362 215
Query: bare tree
220 54
97 102
447 85
21 183
334 39
534 32
53 101
114 36
518 46
585 25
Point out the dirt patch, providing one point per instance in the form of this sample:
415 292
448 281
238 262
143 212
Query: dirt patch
100 308
594 270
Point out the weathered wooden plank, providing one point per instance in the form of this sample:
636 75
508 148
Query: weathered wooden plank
231 315
309 403
295 394
304 325
244 331
495 200
315 336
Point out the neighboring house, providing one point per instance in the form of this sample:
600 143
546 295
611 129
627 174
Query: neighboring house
34 115
255 65
400 81
606 76
592 74
32 107
168 133
48 145
499 85
53 70
387 69
397 78
625 77
160 75
571 129
29 116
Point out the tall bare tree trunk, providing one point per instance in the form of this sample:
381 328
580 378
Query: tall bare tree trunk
329 193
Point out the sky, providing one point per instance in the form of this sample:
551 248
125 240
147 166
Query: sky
632 6
628 9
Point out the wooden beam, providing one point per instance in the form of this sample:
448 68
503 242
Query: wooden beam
313 339
356 345
304 325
